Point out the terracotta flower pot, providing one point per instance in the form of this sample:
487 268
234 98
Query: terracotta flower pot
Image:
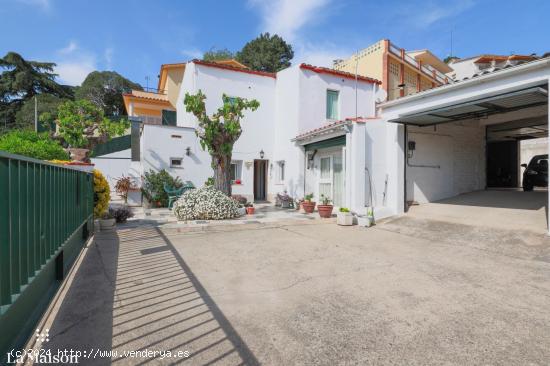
80 155
308 206
250 210
325 211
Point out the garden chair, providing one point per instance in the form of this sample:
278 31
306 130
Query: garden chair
173 194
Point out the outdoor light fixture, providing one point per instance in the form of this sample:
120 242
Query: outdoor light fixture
261 154
188 151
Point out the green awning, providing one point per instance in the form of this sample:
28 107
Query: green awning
332 142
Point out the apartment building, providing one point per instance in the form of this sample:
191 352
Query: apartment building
401 72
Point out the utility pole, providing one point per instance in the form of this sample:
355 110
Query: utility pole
35 113
147 83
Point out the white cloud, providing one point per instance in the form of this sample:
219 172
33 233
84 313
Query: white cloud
191 53
108 56
320 54
70 48
74 64
427 14
74 72
287 17
44 4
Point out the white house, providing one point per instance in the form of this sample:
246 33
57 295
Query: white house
304 138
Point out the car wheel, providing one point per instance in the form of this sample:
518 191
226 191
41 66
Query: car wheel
527 188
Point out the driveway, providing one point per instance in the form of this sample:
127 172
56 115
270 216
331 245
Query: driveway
311 293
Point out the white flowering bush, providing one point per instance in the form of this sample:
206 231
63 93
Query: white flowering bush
206 203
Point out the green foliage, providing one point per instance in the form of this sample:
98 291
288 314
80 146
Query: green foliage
266 53
450 58
308 197
153 186
209 181
83 125
21 80
32 144
219 132
344 209
47 105
325 200
218 54
104 89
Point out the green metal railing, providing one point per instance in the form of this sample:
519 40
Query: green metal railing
46 215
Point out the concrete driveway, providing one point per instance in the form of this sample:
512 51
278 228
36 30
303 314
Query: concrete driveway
295 293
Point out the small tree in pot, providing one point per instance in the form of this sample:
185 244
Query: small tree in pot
308 205
325 208
81 126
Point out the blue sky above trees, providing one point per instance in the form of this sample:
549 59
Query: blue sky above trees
135 37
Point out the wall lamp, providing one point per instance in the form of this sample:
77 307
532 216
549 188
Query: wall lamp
261 154
188 151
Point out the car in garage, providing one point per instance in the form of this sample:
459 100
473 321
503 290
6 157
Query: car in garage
536 173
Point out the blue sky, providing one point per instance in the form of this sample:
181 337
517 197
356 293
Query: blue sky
135 37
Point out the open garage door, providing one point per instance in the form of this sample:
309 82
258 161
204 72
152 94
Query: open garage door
457 155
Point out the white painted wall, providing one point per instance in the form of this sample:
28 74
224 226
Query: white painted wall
449 160
114 166
158 145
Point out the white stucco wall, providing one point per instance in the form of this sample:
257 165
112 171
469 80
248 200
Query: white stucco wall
114 166
449 160
159 144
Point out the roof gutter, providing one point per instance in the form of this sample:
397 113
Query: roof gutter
474 81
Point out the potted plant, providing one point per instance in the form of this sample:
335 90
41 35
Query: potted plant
284 199
298 203
120 214
325 208
308 205
249 208
344 217
107 220
81 126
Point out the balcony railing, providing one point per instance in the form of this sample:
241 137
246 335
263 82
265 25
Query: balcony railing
428 70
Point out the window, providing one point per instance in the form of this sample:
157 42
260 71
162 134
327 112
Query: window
332 104
232 100
176 162
281 171
236 170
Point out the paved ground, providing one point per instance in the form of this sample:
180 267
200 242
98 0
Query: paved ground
413 290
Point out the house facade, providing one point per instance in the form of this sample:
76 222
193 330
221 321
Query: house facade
307 136
402 72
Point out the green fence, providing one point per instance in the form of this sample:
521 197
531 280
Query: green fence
46 215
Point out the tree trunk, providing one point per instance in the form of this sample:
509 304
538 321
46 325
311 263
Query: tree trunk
222 173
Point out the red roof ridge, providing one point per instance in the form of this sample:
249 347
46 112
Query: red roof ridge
233 68
348 75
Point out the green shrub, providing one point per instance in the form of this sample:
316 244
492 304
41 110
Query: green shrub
32 144
153 186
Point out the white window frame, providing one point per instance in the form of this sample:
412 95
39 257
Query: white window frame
238 171
176 166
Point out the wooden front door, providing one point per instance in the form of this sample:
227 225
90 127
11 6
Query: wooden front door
260 180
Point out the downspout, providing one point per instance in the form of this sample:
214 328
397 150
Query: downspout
406 156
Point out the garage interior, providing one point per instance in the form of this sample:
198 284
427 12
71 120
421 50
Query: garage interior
481 144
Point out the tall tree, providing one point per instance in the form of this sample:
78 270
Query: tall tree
218 54
104 89
21 80
219 132
266 53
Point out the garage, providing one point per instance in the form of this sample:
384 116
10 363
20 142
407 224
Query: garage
465 148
